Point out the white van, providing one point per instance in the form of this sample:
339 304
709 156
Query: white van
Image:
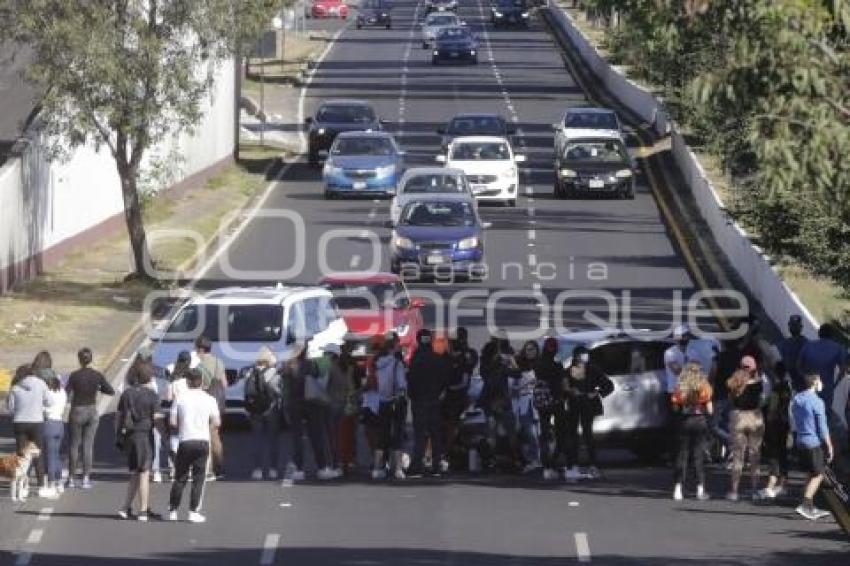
239 321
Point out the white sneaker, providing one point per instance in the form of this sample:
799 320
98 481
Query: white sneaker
87 483
195 517
60 489
811 513
172 515
47 493
550 474
573 475
157 477
337 472
71 484
325 474
273 474
677 493
399 474
297 475
732 496
379 474
702 494
257 474
444 466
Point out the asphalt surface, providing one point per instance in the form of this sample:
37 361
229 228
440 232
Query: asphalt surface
626 518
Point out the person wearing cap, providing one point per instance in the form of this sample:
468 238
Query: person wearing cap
263 394
747 394
340 389
790 348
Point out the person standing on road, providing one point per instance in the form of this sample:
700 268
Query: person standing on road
464 362
776 430
263 395
522 404
340 389
54 432
194 416
159 384
495 400
827 358
138 408
176 387
215 381
549 401
746 393
790 348
348 425
28 398
391 386
811 434
427 382
585 388
692 406
675 358
83 387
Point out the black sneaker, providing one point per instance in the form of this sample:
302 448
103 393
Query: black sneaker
127 515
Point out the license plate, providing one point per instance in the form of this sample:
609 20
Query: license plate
371 20
435 259
454 54
478 188
358 185
596 184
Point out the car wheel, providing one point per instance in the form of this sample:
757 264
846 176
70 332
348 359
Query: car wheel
389 26
359 26
559 193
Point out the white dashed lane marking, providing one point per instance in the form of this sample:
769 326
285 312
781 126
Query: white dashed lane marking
582 547
269 549
532 234
35 536
44 514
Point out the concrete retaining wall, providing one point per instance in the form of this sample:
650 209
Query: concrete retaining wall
753 267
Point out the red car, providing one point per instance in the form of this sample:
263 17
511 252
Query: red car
329 9
376 303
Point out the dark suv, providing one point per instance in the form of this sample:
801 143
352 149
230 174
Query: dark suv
333 117
374 13
509 13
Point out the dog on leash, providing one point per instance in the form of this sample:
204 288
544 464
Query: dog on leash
16 467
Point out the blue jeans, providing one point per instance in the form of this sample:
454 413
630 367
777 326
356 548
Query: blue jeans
53 433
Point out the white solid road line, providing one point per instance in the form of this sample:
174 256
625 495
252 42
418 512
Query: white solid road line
269 549
44 514
573 504
582 547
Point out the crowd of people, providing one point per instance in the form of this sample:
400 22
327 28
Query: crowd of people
502 410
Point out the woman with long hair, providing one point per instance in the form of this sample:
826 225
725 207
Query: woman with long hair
746 391
54 432
525 413
691 400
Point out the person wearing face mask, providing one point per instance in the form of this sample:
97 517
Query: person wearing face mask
464 361
549 401
524 412
585 386
426 386
495 400
811 435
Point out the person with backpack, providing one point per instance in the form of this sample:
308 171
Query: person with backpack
214 382
263 404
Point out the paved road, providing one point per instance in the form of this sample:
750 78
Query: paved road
628 518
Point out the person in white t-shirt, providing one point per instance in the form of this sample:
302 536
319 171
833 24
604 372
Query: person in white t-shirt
192 415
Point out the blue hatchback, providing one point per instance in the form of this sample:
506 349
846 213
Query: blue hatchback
363 164
439 235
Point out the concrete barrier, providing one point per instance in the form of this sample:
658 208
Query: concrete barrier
752 266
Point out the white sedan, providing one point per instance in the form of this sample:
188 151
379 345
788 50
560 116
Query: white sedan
489 164
427 181
434 22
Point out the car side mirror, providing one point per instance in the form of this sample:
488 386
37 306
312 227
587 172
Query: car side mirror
417 303
519 158
156 334
402 153
440 159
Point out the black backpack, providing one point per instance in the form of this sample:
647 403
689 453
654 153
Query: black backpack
258 394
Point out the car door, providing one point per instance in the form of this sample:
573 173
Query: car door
622 408
647 376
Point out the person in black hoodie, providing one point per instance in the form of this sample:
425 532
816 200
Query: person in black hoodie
585 386
464 362
426 386
549 400
495 400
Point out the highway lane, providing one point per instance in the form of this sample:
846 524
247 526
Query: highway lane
627 519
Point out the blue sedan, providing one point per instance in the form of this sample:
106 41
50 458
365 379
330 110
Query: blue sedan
439 235
363 164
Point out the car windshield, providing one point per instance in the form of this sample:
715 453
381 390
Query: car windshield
345 114
512 3
367 296
591 120
438 214
476 126
596 152
434 183
453 33
480 151
376 5
227 323
363 146
442 20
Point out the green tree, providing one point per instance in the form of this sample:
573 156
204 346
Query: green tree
127 73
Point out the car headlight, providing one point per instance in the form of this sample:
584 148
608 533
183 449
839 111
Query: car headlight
383 15
385 171
468 243
568 174
624 173
472 51
525 14
320 131
436 52
497 14
402 329
330 170
403 243
509 173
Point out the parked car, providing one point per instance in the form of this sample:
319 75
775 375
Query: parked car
489 164
427 181
239 321
375 13
636 414
509 13
440 6
594 166
582 122
363 164
455 44
475 124
438 235
434 22
374 304
329 9
333 117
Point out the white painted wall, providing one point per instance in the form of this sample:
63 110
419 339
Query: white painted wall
43 203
